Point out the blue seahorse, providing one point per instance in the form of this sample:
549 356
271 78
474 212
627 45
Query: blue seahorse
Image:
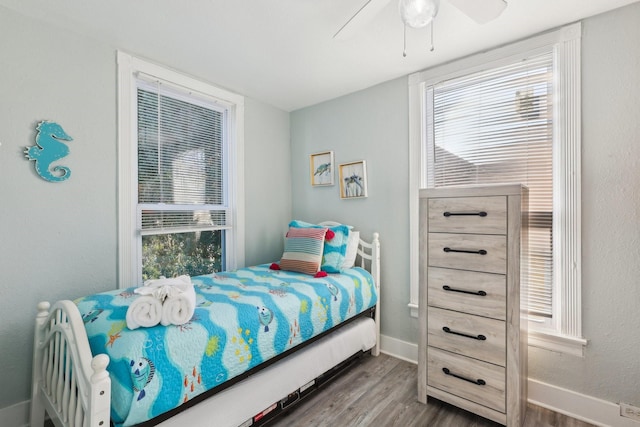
48 149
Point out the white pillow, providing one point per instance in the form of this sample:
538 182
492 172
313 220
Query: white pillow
352 249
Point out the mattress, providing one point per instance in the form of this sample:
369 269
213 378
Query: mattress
243 318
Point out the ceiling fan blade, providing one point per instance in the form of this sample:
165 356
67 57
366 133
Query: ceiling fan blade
481 11
362 17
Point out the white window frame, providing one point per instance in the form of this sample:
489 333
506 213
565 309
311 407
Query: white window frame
129 250
564 332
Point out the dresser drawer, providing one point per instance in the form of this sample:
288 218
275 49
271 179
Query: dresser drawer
483 294
468 335
475 252
491 390
487 215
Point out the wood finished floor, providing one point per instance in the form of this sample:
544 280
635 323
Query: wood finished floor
381 391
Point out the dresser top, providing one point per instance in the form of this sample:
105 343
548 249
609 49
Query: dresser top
475 190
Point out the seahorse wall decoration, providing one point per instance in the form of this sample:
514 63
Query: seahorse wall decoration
48 149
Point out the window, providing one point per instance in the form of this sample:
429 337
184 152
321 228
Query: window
496 126
513 116
180 152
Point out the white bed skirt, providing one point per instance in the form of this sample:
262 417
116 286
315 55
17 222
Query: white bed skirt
237 404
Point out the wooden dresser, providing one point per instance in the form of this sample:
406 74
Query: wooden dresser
473 342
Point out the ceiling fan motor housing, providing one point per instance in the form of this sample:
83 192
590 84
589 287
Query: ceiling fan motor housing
418 13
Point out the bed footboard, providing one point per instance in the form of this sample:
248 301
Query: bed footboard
370 253
368 257
68 383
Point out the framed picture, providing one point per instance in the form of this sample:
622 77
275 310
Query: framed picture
321 168
353 180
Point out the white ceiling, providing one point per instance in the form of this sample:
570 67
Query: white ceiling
282 51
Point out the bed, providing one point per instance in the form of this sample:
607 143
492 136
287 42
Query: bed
239 374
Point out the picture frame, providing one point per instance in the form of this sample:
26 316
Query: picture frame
321 169
353 180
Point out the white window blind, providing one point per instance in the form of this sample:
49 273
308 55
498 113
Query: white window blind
181 180
496 126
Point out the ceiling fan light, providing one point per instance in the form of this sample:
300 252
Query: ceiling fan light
418 13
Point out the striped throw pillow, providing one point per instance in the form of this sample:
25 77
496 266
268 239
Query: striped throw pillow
335 248
303 250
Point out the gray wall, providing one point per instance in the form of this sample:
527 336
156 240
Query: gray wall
372 125
610 216
267 181
59 240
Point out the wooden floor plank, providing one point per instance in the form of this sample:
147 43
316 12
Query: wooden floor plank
381 391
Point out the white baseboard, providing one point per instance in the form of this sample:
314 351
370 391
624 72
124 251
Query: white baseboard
567 402
16 415
582 407
399 349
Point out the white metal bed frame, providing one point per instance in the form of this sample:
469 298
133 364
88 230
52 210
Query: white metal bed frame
73 386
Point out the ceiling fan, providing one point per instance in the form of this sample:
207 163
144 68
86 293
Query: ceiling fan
420 13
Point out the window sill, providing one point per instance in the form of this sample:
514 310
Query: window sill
414 309
546 340
558 343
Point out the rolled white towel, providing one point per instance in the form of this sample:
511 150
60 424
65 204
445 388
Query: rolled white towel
164 288
145 311
178 309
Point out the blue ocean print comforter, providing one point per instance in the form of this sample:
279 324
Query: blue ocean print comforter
242 319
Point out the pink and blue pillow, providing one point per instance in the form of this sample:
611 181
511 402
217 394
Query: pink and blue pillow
303 249
335 248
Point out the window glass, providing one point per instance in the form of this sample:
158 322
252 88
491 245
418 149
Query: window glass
496 126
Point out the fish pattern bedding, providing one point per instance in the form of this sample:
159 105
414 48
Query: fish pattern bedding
242 318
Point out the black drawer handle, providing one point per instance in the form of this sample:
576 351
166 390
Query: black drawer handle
448 214
464 251
476 382
462 291
475 337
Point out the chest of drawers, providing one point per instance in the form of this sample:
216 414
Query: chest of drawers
472 335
